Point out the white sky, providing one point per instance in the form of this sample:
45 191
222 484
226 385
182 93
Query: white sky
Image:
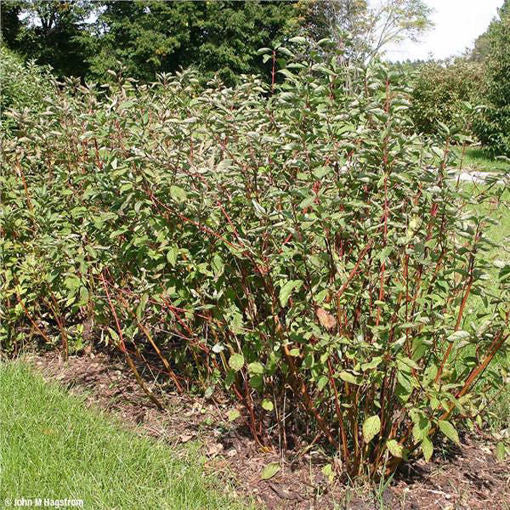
457 25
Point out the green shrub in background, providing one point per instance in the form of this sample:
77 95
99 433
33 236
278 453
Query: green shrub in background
492 125
289 244
446 93
23 85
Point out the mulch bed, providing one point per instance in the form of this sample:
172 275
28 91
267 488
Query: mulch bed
470 478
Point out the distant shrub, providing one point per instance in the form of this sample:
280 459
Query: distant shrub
492 124
293 247
446 93
492 127
23 84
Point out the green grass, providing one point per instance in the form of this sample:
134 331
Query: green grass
498 210
499 411
475 158
52 446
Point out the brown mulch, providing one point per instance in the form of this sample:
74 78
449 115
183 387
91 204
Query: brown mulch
470 478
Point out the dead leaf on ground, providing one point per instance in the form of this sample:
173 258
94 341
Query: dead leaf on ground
326 319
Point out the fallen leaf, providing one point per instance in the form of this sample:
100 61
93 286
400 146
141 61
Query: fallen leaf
214 449
326 319
270 470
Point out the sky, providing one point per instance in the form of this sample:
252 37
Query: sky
457 25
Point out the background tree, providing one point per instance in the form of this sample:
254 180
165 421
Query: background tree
344 21
144 37
147 37
10 23
492 126
482 46
363 30
50 32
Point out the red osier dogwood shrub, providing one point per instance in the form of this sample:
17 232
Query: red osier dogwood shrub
292 244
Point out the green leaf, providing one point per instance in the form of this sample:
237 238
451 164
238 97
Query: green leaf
298 40
449 431
84 295
407 363
72 283
255 368
267 405
421 427
372 364
287 290
500 451
328 472
257 382
285 51
236 362
140 309
233 415
371 428
321 383
427 448
218 265
178 194
321 171
395 448
307 202
458 335
270 470
171 255
348 377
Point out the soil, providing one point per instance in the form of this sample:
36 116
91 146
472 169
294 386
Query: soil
468 477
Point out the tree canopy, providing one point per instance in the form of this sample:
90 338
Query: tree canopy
361 28
145 37
493 125
49 32
157 36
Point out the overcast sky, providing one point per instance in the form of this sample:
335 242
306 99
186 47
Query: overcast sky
457 24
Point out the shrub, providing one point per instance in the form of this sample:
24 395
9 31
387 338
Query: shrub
492 127
23 85
446 93
293 247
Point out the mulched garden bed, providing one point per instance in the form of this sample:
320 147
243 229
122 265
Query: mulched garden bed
466 478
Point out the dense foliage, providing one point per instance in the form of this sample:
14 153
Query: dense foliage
446 93
492 126
143 37
23 85
49 32
158 36
290 244
470 94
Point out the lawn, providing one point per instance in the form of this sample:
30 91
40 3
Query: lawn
498 210
476 159
53 447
